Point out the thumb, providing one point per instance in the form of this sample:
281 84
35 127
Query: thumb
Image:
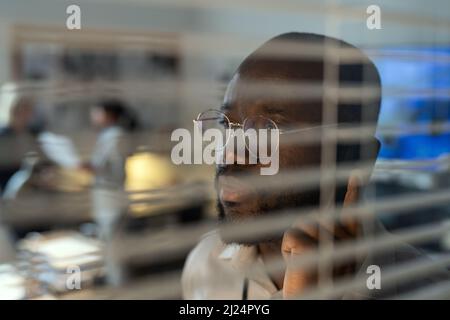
295 243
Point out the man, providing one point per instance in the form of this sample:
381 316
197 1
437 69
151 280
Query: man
292 91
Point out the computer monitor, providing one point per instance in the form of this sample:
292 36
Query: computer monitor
422 74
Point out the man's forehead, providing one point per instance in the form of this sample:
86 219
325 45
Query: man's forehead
270 93
231 91
270 88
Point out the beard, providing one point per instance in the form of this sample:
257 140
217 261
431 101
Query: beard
265 205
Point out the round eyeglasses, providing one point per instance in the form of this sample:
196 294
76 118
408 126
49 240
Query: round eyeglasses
215 119
253 127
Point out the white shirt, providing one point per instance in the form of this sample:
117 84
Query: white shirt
108 159
214 270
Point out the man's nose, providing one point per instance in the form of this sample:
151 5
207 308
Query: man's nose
235 153
232 155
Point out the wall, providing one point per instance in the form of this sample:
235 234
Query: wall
214 40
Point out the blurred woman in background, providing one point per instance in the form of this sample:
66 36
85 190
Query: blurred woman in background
112 118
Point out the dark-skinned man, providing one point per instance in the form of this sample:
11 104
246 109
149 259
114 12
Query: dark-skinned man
284 68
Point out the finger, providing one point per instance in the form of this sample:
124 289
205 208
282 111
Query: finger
296 280
297 240
301 236
351 198
352 194
345 230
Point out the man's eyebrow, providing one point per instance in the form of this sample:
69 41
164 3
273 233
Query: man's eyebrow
273 109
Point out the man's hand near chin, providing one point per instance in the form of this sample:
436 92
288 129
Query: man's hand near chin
301 239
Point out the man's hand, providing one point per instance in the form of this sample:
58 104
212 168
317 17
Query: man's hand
303 238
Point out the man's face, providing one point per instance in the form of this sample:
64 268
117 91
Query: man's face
100 118
237 199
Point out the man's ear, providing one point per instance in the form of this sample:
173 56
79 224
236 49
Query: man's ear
356 181
376 147
358 178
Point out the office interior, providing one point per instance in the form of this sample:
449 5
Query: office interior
166 62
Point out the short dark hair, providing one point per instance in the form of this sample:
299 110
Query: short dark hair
120 112
113 107
354 72
287 55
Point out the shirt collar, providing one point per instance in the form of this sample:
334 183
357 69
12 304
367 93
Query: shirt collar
229 251
241 256
246 260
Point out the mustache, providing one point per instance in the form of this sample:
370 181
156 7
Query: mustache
235 170
230 170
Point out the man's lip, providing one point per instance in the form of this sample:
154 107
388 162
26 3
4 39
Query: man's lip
233 190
